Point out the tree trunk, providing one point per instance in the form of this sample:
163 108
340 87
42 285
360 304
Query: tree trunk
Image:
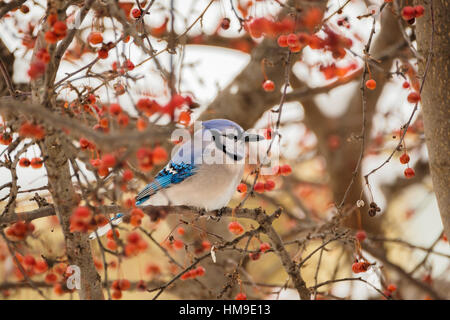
435 98
78 248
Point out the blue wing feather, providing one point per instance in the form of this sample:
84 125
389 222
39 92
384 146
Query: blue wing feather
173 173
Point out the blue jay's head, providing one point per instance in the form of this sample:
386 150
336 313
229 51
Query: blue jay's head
229 137
227 129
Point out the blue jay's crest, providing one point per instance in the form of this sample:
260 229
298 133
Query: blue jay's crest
173 173
222 125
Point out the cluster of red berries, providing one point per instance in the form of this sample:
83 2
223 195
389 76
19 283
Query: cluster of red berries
358 267
103 52
409 172
147 157
268 185
112 235
118 286
283 170
332 42
261 187
30 130
191 274
126 65
31 265
205 245
262 249
58 29
20 230
35 163
150 107
410 13
38 66
135 244
257 27
106 162
331 71
235 228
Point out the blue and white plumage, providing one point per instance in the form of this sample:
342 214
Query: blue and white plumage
203 172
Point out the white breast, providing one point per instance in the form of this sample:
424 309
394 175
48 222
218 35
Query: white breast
210 188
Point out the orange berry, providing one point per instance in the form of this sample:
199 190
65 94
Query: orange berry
286 170
268 85
115 109
111 245
409 173
50 37
102 53
241 296
282 41
51 278
141 124
108 160
242 188
159 155
60 28
184 118
200 271
127 175
408 13
117 294
392 287
178 244
235 227
414 97
371 84
264 247
419 11
136 13
269 185
95 38
259 187
36 163
404 158
124 284
361 235
24 162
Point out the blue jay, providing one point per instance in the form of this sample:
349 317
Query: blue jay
203 172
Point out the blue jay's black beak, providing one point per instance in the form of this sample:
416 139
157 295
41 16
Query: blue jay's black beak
250 137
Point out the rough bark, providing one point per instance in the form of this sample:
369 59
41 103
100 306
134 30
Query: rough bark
77 245
64 197
435 98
